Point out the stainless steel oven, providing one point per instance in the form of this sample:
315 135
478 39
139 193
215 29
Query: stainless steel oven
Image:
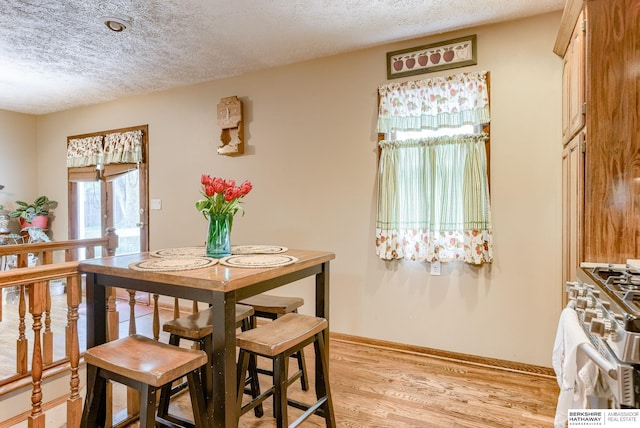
606 298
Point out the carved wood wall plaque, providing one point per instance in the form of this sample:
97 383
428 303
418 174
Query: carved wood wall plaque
229 116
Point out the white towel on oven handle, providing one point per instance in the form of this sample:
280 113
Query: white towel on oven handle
567 362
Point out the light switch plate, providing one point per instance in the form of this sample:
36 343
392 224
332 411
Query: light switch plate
156 204
435 268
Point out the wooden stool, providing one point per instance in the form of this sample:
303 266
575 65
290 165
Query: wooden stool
198 328
272 307
146 365
277 341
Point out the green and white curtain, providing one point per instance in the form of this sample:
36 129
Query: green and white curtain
433 193
116 147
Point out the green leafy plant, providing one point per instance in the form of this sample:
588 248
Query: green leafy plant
41 206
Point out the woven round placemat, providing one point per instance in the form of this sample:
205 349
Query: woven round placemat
188 252
257 249
166 264
258 260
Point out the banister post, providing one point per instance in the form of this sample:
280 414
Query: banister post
22 344
112 245
37 299
47 336
74 402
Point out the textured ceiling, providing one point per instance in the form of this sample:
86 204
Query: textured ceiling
58 54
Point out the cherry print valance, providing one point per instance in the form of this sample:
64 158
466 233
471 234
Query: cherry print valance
116 147
84 151
441 102
123 147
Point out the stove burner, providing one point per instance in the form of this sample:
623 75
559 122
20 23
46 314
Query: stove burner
621 286
632 296
622 280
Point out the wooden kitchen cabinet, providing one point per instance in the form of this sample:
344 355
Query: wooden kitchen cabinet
610 231
572 208
573 107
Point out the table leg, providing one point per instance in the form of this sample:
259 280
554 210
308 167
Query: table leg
224 362
97 327
322 307
322 310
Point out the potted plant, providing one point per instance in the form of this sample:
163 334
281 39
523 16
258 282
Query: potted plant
34 214
4 220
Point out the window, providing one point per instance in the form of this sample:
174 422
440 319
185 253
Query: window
107 177
433 191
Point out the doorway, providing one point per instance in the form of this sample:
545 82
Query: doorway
111 202
112 193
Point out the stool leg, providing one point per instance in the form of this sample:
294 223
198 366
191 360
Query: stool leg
200 412
93 410
241 377
165 391
281 381
147 406
302 366
254 381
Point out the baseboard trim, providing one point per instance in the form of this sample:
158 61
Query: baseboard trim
47 405
497 364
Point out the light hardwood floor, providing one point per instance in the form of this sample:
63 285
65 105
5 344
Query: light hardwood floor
387 388
377 386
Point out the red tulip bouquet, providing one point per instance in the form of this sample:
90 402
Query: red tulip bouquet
222 199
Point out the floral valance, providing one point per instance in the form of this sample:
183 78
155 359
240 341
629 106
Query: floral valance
123 147
116 147
84 151
441 102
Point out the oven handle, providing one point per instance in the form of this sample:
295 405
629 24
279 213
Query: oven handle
591 352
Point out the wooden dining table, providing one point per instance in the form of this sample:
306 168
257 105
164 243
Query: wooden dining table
221 287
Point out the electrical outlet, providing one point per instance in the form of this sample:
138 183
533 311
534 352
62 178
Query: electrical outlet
156 204
435 268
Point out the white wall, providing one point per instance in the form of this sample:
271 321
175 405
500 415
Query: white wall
311 155
18 158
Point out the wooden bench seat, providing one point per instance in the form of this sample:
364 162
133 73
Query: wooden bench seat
198 328
200 325
146 365
271 307
277 341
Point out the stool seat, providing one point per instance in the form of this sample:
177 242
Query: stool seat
200 324
146 365
278 341
274 338
145 360
198 328
276 305
272 307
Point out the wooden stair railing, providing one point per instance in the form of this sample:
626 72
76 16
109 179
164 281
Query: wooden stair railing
33 282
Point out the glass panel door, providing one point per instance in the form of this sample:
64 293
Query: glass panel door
87 216
123 196
115 202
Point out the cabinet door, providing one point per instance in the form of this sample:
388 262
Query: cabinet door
573 83
572 208
566 89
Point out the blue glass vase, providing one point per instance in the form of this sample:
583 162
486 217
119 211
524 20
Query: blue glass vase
219 237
